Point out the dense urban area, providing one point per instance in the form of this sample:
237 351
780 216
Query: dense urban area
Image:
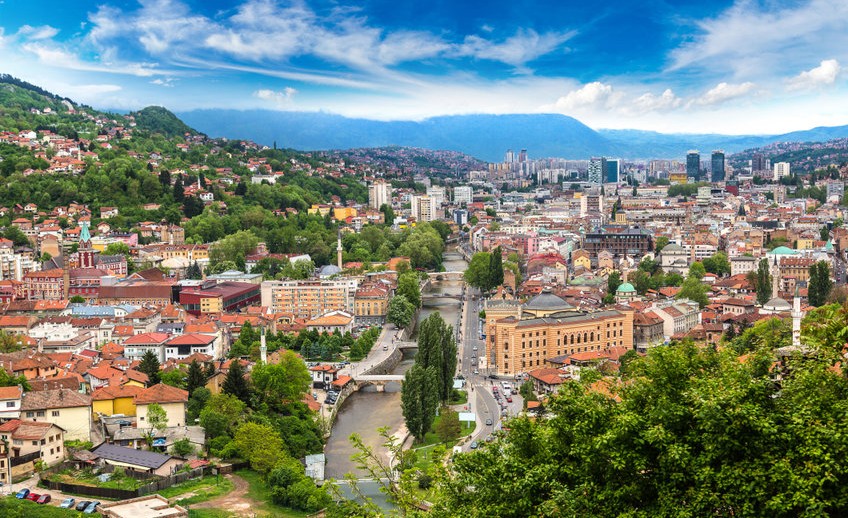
194 326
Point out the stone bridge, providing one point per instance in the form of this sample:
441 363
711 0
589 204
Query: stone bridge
446 276
433 296
377 380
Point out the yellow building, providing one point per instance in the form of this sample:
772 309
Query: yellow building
524 336
580 258
342 213
323 210
309 299
805 244
677 178
111 400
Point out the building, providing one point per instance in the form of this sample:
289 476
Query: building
172 399
596 169
835 191
523 336
612 170
678 317
137 460
781 169
371 304
463 194
25 442
758 163
67 409
114 400
620 241
379 194
150 506
717 166
647 330
693 164
424 208
437 192
310 298
185 345
219 297
333 322
136 345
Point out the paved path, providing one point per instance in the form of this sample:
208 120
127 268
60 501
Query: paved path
383 347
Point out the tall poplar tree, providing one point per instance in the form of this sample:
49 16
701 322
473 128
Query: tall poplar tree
496 271
763 279
235 383
419 399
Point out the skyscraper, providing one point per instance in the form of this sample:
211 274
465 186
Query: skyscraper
612 170
509 157
717 169
424 208
781 169
758 163
522 156
379 193
596 170
693 164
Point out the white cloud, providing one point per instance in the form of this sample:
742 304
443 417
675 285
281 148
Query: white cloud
60 58
649 102
724 92
517 50
594 94
752 38
167 82
824 74
3 39
44 32
281 99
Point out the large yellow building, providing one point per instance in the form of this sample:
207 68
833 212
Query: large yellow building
523 336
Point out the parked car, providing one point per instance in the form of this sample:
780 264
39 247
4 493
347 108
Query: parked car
474 445
92 507
33 496
489 422
68 503
509 399
23 493
476 372
43 499
82 505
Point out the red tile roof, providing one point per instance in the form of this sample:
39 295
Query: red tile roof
161 393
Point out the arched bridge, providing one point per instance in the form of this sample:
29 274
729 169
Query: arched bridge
446 276
432 296
378 380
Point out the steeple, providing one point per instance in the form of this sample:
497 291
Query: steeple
84 233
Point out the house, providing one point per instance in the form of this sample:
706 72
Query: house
172 399
323 375
547 380
65 408
26 442
185 345
334 321
10 402
137 460
114 400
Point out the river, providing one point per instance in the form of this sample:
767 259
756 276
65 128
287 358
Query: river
366 411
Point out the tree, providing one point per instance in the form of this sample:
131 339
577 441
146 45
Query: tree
194 377
157 418
693 289
235 383
298 270
233 247
400 311
388 213
496 275
182 448
448 428
824 233
528 394
280 384
193 271
409 287
479 271
437 349
697 270
179 190
221 415
174 378
613 282
150 365
820 284
420 399
717 264
762 282
260 445
77 299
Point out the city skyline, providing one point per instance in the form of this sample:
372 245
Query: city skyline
722 67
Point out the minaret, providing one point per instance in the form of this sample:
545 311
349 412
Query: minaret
263 349
775 278
796 320
339 251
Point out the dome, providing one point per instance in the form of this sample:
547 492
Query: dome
783 250
672 247
176 262
777 304
547 301
625 287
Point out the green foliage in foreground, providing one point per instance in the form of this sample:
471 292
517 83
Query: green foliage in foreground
696 433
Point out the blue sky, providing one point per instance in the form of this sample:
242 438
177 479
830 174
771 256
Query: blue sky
671 66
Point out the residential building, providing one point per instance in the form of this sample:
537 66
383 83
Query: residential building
114 400
67 409
10 402
647 330
332 322
379 194
424 208
310 298
183 346
678 317
137 460
136 345
172 399
437 192
463 194
781 169
596 170
25 442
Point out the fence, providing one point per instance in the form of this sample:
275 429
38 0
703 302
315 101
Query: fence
117 494
23 459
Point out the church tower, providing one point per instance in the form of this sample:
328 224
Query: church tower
85 252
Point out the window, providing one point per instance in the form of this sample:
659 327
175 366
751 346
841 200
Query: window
55 413
35 443
30 414
40 413
10 404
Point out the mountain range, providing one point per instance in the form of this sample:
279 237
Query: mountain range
483 136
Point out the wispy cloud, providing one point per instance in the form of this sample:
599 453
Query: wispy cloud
524 46
281 99
724 92
43 32
822 75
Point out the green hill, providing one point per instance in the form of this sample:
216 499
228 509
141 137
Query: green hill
157 119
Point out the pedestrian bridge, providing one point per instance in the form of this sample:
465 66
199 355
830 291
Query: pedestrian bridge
446 276
378 380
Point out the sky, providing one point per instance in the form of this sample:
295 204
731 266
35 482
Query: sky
741 67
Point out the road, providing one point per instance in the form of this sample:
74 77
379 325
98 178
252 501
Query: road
480 396
385 345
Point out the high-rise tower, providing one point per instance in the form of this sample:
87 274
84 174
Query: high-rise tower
717 169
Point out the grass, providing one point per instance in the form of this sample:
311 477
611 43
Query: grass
460 400
87 478
205 489
259 491
208 513
11 506
431 439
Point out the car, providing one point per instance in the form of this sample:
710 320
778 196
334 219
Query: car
315 396
476 372
495 388
92 507
509 399
23 493
474 445
489 422
491 377
43 499
33 496
475 348
68 503
82 505
385 347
